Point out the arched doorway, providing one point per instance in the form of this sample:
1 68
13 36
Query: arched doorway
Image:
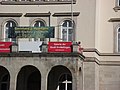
59 78
29 78
4 79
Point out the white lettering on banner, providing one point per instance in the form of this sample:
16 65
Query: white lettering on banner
4 48
58 44
59 47
2 44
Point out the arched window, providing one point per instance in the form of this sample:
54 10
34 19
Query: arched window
39 23
67 31
9 33
65 82
118 40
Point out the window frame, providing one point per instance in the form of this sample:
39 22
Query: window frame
68 28
6 38
116 26
118 33
36 21
34 2
66 82
6 82
118 3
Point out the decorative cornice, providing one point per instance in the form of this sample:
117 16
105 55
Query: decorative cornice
30 54
10 14
110 63
100 54
37 14
66 14
91 59
103 63
36 2
107 55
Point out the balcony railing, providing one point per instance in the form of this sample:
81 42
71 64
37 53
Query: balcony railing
36 2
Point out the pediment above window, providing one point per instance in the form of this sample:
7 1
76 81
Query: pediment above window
37 14
10 14
66 14
114 20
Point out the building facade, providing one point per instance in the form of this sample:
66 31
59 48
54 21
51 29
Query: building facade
95 23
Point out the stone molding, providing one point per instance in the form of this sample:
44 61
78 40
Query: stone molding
30 54
37 14
65 14
10 14
104 55
114 20
98 53
36 2
103 63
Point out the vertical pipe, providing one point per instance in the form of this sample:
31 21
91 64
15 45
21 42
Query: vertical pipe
72 18
49 25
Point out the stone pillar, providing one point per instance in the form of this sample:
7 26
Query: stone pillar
43 81
44 47
13 80
74 83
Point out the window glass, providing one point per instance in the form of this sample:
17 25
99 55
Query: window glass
9 33
5 82
65 82
67 31
39 24
118 40
117 2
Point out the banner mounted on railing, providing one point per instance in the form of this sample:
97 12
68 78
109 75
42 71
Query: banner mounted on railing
5 47
59 46
34 32
29 46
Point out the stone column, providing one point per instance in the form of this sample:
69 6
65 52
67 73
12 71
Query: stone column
43 81
13 80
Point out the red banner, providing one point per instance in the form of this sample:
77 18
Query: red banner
5 47
59 46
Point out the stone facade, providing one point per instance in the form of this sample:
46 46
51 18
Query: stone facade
44 63
95 23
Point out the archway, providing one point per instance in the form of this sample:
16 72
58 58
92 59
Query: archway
29 78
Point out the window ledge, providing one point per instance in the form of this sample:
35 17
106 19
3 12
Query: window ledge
35 2
116 8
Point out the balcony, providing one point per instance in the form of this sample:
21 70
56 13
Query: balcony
36 2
